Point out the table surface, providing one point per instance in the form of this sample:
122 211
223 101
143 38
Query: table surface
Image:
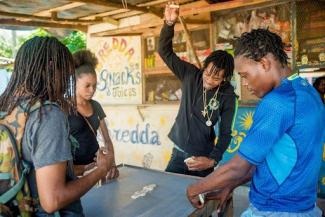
113 199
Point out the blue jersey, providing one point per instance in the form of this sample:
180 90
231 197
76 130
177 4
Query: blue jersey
285 143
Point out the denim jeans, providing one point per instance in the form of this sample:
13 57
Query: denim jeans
251 211
75 211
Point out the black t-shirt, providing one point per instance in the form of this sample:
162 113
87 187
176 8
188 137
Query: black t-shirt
80 130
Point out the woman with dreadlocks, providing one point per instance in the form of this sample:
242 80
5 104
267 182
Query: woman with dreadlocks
281 153
90 116
44 73
207 99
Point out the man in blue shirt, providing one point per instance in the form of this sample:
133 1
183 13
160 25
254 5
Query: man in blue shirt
282 151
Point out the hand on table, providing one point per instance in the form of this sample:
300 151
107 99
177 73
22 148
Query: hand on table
113 173
105 161
222 196
193 197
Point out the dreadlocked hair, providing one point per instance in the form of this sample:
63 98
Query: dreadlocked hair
258 43
221 61
43 71
317 82
85 62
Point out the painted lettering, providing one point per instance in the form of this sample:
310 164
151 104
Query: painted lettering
136 135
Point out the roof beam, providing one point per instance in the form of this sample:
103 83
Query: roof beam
111 21
105 14
147 22
141 29
117 5
158 2
14 22
126 14
47 13
111 4
48 19
152 3
204 7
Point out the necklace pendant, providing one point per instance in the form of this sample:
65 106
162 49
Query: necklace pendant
214 104
208 123
204 112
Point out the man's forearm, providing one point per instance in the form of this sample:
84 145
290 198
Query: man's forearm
224 176
242 180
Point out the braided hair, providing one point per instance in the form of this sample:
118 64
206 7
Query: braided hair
43 71
258 43
85 62
221 61
317 82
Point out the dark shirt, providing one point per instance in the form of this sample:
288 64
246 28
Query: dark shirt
81 131
190 131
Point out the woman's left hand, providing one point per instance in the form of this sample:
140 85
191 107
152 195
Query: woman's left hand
113 173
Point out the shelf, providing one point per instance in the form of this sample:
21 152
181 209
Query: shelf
305 67
176 102
158 71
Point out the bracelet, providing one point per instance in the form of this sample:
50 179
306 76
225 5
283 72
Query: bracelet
215 163
169 23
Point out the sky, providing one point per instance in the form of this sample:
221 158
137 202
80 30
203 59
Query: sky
7 34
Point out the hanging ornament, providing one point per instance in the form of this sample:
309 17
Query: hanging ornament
208 123
214 104
204 112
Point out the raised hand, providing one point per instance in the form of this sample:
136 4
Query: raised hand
171 12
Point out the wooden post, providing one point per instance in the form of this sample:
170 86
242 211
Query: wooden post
189 41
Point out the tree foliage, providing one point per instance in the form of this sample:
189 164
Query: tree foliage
38 32
74 41
6 50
